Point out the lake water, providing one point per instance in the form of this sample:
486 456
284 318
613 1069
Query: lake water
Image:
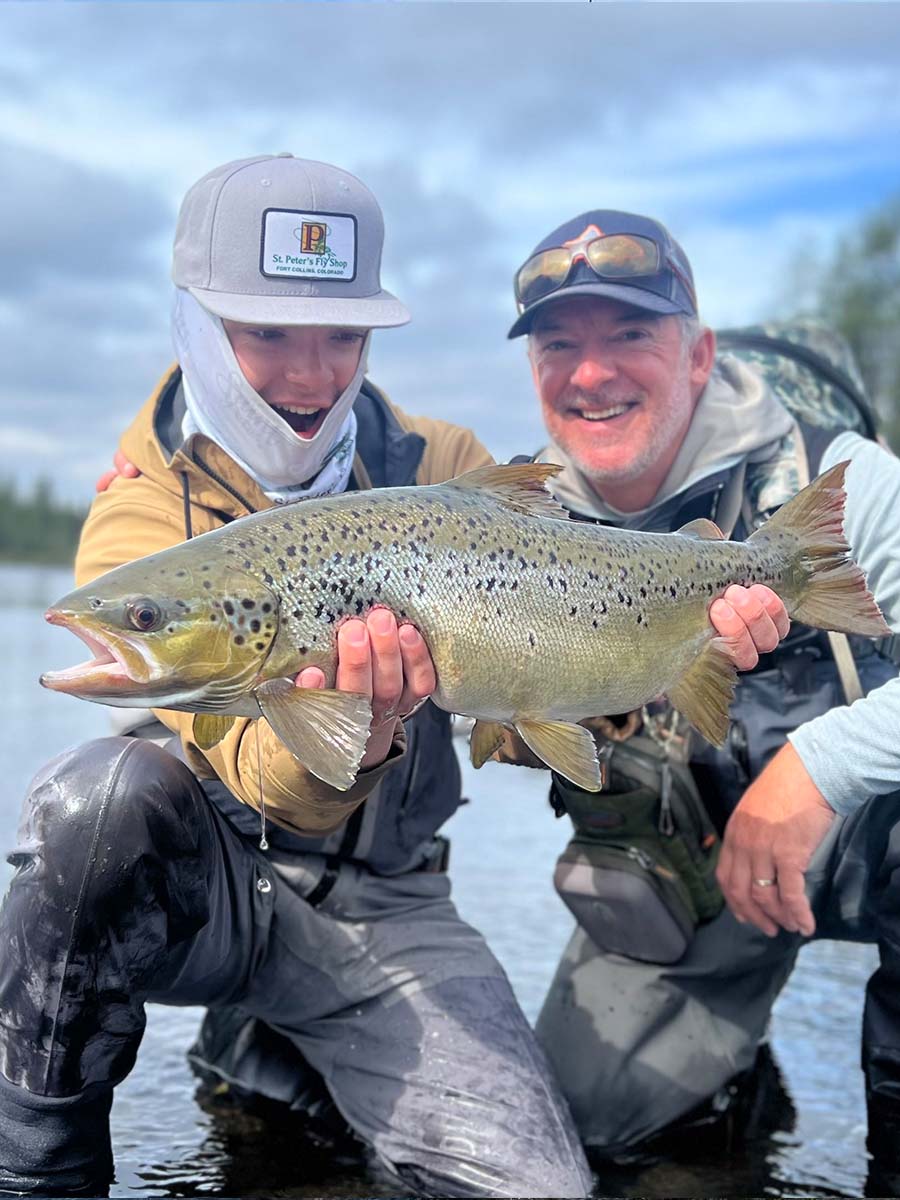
504 846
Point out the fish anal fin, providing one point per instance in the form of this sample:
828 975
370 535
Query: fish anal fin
703 528
521 487
567 749
325 729
484 740
704 692
209 729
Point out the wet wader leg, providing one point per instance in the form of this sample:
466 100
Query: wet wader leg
117 867
867 883
477 1111
638 1045
407 1016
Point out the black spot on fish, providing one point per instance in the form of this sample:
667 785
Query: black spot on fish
248 603
207 585
531 639
552 557
239 640
213 617
301 649
259 645
255 625
595 623
247 564
573 610
229 608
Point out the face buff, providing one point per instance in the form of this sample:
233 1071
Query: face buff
222 405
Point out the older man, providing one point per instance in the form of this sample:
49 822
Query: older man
652 432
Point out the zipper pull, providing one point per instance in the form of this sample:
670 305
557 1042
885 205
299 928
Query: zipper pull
666 819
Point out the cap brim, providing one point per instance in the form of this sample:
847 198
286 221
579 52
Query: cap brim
627 293
381 311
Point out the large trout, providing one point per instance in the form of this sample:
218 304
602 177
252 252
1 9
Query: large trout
533 621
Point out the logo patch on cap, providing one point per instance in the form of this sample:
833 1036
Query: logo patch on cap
308 245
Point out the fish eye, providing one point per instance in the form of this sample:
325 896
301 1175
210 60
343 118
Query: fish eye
144 615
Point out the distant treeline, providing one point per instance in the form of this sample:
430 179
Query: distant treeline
36 528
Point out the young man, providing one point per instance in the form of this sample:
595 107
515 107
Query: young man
141 879
651 433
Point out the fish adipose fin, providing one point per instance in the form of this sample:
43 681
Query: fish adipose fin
704 529
831 589
705 691
521 487
567 749
209 729
325 729
485 739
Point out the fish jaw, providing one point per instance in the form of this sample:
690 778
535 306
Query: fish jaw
120 672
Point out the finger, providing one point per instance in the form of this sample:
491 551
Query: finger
796 912
387 665
735 636
105 480
310 677
124 466
419 677
737 887
354 665
750 608
774 606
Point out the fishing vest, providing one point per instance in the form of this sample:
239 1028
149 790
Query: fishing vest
393 830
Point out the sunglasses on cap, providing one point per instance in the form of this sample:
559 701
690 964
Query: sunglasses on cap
613 256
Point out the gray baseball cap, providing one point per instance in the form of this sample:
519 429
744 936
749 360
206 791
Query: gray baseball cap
284 241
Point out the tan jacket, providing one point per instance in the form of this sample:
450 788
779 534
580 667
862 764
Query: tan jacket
139 516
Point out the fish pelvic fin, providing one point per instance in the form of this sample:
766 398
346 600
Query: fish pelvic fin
831 591
325 729
485 739
567 749
208 729
702 528
704 692
521 487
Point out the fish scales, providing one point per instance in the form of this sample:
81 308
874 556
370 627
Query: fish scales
508 604
533 621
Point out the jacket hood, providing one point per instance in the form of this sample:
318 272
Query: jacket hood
737 417
155 444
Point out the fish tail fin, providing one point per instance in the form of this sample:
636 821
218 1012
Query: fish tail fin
830 590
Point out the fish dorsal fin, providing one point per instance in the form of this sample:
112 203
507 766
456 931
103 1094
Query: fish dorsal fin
705 691
567 749
326 730
521 487
702 528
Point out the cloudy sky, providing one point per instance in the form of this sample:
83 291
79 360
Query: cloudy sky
752 130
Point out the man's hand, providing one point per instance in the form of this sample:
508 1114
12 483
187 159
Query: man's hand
752 621
121 466
388 663
769 840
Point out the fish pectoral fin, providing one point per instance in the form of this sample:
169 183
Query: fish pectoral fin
702 528
567 749
209 729
485 739
705 691
521 487
325 729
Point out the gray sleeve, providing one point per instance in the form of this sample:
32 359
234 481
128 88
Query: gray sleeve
853 754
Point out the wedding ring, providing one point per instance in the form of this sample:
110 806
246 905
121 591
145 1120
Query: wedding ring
764 882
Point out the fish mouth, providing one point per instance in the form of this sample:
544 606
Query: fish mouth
304 420
106 673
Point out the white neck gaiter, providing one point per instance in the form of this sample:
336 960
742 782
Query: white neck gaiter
222 405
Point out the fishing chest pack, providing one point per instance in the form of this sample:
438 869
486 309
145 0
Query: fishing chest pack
639 872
